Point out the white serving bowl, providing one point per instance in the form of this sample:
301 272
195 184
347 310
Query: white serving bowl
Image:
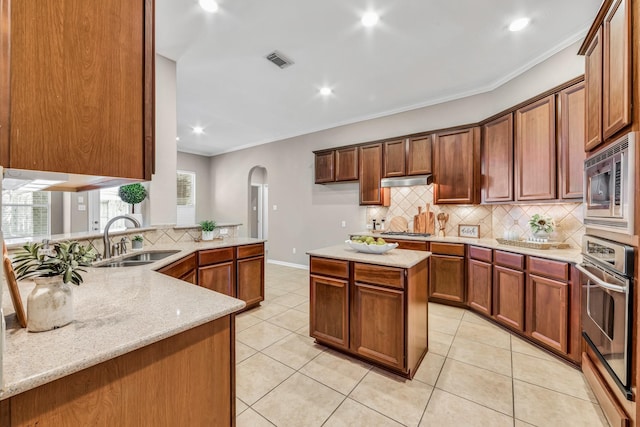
371 249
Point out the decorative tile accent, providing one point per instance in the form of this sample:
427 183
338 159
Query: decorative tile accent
494 220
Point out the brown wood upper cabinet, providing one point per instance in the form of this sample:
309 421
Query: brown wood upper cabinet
370 175
325 166
395 158
347 164
456 166
535 150
81 85
419 155
571 137
497 160
608 74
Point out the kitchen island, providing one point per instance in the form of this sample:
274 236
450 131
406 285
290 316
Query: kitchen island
144 349
371 306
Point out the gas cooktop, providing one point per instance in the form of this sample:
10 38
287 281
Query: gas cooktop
404 233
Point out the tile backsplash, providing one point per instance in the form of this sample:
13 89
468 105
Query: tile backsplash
493 220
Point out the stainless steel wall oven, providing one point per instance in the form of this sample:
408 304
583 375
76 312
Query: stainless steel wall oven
607 300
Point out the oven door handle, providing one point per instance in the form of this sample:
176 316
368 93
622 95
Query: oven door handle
600 282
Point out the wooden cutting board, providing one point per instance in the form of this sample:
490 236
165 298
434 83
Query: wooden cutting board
398 223
430 221
419 221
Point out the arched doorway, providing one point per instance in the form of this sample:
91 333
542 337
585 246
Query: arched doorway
258 202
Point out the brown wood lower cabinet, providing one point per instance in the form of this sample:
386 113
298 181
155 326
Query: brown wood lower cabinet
479 282
251 280
548 312
377 324
447 275
377 313
186 379
508 297
218 277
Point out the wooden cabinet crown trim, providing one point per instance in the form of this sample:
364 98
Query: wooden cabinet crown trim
593 30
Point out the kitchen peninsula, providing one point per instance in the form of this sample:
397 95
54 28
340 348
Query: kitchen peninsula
371 306
144 349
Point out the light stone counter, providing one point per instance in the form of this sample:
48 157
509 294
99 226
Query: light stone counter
571 255
117 310
401 258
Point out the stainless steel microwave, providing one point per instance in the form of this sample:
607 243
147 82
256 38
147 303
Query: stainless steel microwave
609 186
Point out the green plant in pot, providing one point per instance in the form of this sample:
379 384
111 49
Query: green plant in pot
208 227
133 194
54 270
137 242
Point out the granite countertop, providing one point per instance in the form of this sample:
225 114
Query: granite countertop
117 310
572 255
402 258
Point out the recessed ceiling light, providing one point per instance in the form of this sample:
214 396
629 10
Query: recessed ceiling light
325 91
370 19
518 24
198 130
208 5
177 138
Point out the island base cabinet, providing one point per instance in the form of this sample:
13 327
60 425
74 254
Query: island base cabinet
329 310
187 379
218 277
378 324
508 291
548 312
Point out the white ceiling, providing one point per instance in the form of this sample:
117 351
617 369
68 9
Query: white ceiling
421 53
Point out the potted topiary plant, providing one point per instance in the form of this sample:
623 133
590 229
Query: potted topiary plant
50 304
208 226
137 242
133 194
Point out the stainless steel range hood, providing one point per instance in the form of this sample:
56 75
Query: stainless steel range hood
406 181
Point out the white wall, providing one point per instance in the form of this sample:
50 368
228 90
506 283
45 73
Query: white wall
199 165
161 208
308 216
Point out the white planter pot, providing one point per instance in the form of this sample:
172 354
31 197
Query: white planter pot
49 305
207 235
136 244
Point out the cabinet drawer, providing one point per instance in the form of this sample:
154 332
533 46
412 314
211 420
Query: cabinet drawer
481 254
377 275
181 267
509 259
447 248
248 251
330 267
214 256
409 244
548 268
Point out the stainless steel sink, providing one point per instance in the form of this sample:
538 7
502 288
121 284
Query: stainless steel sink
149 255
140 258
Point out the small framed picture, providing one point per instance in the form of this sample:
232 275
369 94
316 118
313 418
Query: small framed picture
469 231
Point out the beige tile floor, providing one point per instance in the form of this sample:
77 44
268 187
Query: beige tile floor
475 374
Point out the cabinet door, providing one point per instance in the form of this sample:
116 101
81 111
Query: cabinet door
508 297
593 93
497 160
395 155
191 277
446 278
377 324
324 167
419 156
347 164
329 310
536 150
250 273
81 88
479 286
571 122
457 154
370 175
616 73
218 277
548 312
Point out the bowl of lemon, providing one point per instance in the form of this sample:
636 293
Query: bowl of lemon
370 245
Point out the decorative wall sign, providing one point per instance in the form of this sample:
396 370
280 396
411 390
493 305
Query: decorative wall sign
468 231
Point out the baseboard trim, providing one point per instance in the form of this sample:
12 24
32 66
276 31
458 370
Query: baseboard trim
288 264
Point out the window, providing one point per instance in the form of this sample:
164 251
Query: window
186 198
111 205
25 213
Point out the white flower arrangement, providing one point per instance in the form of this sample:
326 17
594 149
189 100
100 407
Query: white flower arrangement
541 223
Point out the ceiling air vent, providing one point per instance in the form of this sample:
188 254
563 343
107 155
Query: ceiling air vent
279 59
